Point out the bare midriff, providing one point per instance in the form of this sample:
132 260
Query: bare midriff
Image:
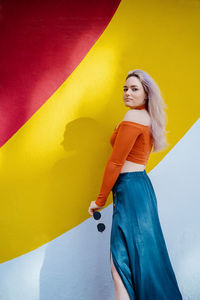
130 166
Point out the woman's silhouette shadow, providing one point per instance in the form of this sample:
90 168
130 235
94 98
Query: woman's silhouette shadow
71 185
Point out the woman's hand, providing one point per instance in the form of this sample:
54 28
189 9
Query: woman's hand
93 207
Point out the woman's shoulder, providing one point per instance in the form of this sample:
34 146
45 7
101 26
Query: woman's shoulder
141 117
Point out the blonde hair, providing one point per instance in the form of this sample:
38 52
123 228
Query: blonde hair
155 106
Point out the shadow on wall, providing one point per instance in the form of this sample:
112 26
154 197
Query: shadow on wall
72 263
71 184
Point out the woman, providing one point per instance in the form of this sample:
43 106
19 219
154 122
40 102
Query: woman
140 264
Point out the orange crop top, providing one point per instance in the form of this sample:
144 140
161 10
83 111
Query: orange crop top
130 141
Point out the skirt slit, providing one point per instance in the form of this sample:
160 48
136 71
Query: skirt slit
128 284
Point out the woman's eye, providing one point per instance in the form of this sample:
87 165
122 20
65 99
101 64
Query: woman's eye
134 89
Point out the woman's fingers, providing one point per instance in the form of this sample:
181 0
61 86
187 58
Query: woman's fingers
93 207
90 210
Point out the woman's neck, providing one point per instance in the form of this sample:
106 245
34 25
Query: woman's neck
143 106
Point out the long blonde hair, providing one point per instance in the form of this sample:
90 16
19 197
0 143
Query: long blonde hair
155 106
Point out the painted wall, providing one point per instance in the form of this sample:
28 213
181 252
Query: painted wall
63 66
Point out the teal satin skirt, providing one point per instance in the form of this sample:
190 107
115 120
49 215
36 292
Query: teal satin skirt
137 243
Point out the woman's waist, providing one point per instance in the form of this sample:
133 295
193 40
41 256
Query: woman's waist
130 166
126 178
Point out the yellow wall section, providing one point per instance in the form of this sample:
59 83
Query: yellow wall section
52 168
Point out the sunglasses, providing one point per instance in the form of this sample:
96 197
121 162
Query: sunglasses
97 215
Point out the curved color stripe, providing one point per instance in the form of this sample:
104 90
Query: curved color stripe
53 270
52 168
42 42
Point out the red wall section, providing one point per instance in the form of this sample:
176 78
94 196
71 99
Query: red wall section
42 42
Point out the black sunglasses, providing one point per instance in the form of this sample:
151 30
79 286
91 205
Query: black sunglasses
97 215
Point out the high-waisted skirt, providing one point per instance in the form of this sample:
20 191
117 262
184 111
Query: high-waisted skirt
137 243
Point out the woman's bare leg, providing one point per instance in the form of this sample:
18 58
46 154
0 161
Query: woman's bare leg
120 290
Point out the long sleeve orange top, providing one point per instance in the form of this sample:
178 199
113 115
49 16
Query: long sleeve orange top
130 141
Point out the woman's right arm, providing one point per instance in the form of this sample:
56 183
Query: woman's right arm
124 141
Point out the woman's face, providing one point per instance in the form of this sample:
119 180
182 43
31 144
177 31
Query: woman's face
134 94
